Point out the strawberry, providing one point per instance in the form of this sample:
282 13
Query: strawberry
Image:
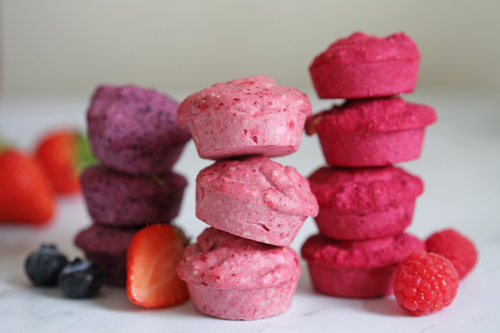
62 154
25 192
152 257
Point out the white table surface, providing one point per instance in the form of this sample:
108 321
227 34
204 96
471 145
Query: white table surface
460 165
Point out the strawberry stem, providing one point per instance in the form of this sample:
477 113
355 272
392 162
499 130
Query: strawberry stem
84 156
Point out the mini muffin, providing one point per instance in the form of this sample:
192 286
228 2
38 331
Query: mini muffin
107 247
363 66
364 203
230 277
134 130
371 132
356 269
254 198
248 116
119 199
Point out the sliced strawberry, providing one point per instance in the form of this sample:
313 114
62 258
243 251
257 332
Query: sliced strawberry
25 192
311 122
62 153
152 257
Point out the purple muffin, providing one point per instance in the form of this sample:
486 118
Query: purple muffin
119 199
107 247
134 130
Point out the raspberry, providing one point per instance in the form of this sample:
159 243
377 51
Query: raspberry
455 247
425 283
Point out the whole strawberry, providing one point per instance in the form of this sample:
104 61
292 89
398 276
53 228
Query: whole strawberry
63 153
26 195
425 283
455 247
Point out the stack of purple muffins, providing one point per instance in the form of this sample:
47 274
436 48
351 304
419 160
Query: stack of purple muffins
365 202
133 134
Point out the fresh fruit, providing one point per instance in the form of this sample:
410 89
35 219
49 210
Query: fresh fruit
26 195
425 283
81 279
152 257
63 154
455 247
43 266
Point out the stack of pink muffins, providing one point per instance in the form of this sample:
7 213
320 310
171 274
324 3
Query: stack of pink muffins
241 268
365 202
133 134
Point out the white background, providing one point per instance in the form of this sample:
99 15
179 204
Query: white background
60 46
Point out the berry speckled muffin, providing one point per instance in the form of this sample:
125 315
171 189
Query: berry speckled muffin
356 269
364 203
133 130
119 199
230 277
254 198
248 116
107 247
363 66
371 132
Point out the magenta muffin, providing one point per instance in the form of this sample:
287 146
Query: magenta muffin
371 132
254 198
119 199
356 269
234 278
364 203
133 130
248 116
363 66
107 247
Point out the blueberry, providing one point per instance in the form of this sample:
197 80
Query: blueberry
81 279
43 266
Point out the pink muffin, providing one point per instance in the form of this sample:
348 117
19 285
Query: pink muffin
371 132
363 66
119 199
364 203
248 116
133 130
107 247
357 269
254 198
230 277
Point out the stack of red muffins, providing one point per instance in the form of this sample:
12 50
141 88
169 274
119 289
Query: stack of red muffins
133 134
242 268
365 202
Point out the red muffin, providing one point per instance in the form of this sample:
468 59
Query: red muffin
364 203
358 269
363 66
107 247
371 132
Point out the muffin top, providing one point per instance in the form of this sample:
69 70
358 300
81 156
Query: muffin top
253 96
224 261
360 254
362 48
257 180
96 178
113 241
130 114
371 116
364 188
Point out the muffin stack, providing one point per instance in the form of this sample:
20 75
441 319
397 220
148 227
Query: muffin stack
242 268
365 202
133 134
